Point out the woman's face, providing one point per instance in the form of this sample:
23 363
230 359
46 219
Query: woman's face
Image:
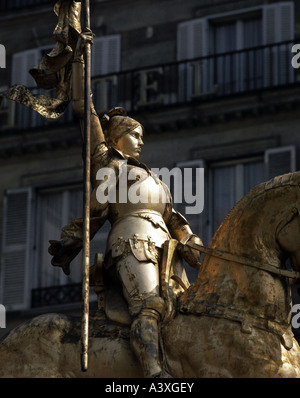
131 143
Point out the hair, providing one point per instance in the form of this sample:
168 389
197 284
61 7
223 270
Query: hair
116 123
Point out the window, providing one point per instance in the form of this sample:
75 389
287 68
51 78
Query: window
228 181
16 245
188 197
6 112
225 183
106 60
55 208
233 70
236 52
278 27
279 161
31 218
22 62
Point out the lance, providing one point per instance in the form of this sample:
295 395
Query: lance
86 198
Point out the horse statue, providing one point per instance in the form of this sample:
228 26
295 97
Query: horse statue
234 321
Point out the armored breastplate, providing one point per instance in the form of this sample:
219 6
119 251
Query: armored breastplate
141 203
138 189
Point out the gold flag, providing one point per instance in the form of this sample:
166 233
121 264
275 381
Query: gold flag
55 68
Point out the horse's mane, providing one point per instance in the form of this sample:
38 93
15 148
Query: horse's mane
279 182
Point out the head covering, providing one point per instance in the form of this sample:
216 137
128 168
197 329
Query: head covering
116 123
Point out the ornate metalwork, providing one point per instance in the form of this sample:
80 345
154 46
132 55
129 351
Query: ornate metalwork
56 295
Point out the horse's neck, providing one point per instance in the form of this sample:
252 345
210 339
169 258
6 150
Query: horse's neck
246 289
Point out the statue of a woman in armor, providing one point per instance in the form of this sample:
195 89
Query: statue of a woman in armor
139 229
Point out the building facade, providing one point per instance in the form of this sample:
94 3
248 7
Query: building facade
213 84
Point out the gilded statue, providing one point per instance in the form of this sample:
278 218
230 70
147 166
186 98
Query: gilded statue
138 230
234 321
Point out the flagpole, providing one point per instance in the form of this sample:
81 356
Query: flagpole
86 201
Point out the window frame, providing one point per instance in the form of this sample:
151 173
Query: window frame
188 49
24 248
208 215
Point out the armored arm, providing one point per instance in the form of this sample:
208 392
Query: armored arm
71 239
78 82
180 229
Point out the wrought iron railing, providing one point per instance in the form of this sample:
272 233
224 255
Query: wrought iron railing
217 75
189 81
56 295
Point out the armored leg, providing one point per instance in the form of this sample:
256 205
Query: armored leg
140 282
144 338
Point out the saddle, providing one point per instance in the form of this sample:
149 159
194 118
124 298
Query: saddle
110 299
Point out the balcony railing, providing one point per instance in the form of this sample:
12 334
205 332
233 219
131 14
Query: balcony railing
185 82
56 295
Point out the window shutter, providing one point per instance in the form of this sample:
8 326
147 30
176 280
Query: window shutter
22 63
192 39
278 26
183 53
278 22
106 59
287 21
106 55
196 221
113 54
97 56
183 42
280 161
192 43
269 24
199 38
2 56
287 32
7 109
14 293
190 185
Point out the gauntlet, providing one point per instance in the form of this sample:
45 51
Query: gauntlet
64 251
179 229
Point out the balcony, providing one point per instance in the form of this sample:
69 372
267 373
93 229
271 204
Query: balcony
192 81
56 295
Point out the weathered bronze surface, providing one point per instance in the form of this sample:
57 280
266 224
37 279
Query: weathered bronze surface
86 201
55 68
234 321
